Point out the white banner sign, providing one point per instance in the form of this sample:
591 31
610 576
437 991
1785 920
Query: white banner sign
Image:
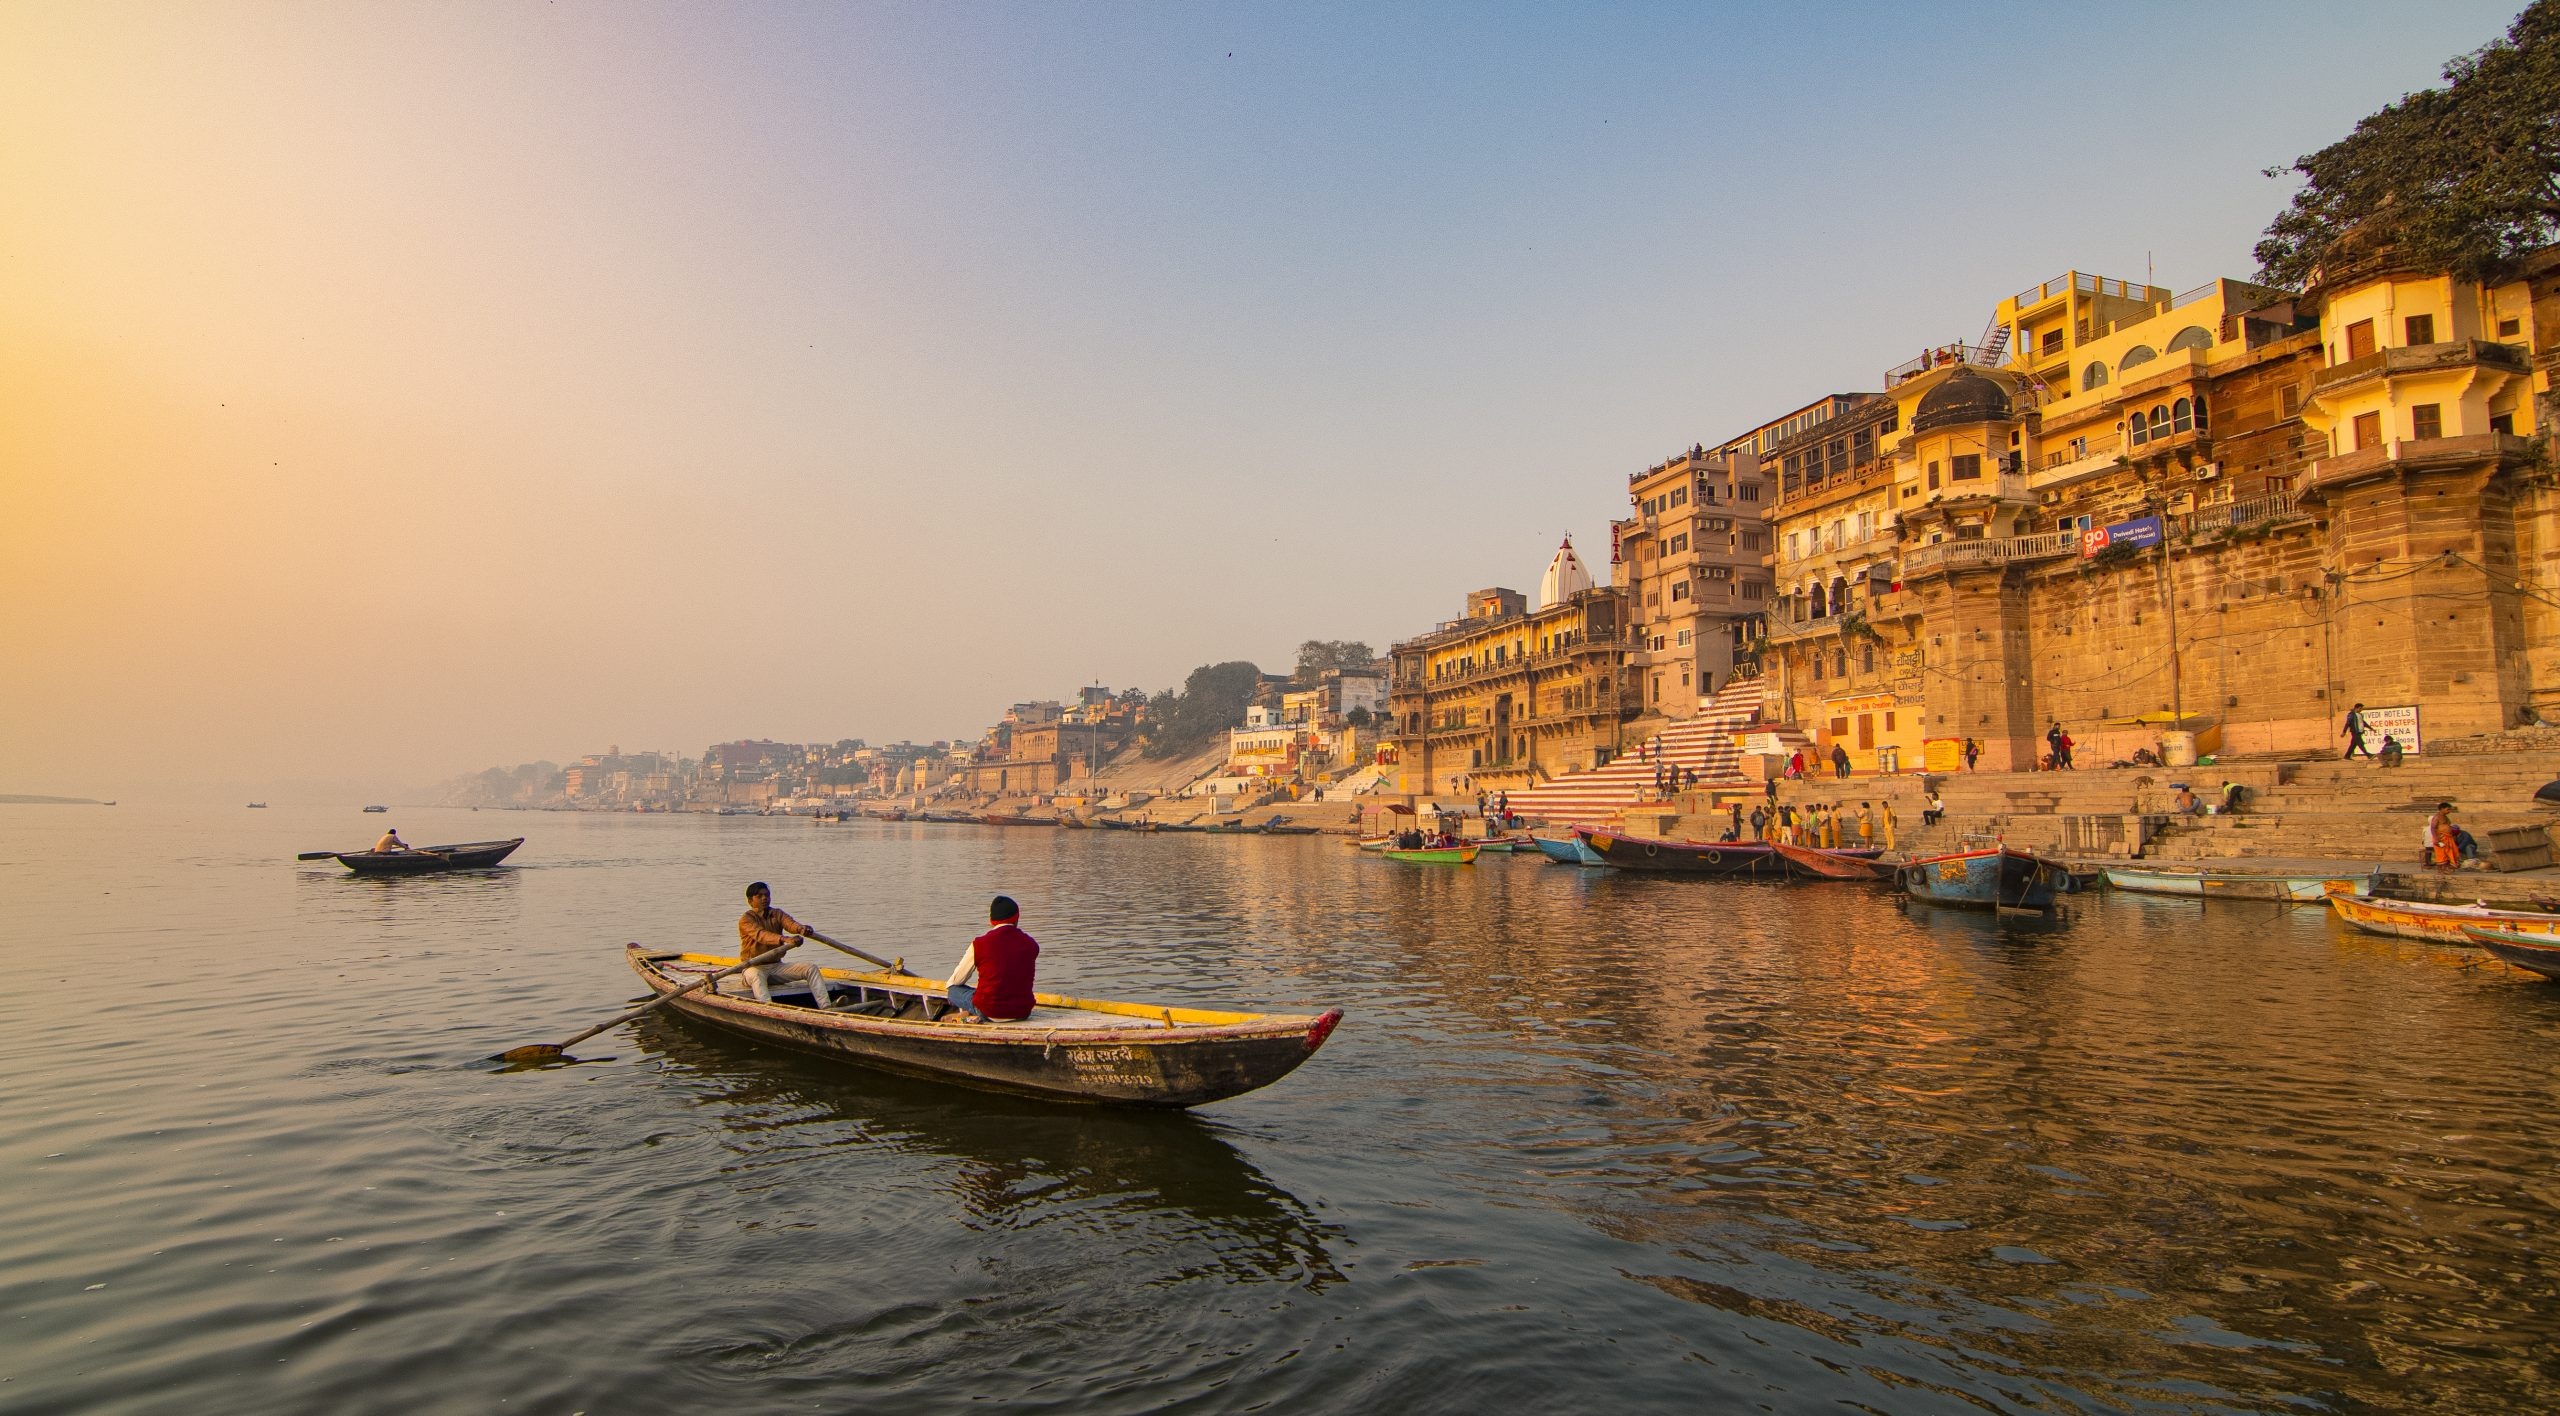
2400 724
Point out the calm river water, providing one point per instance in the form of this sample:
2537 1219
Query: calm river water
1583 1138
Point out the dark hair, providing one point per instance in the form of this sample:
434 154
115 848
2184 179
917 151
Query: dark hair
1003 909
759 888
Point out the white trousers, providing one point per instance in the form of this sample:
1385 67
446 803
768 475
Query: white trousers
761 980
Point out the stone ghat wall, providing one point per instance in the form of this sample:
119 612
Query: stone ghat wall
2252 620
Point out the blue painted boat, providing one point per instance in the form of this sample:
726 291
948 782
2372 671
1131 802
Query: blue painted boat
1996 878
1570 850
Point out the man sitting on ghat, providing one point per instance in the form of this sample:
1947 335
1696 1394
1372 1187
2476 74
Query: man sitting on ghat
1003 961
760 929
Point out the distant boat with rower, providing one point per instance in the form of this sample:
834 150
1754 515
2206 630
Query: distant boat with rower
421 860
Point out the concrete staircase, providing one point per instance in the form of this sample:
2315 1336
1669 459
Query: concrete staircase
2360 810
1704 743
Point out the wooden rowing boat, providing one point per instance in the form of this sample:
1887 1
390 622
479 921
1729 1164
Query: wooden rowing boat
1567 850
2233 884
1434 855
2434 924
1745 860
1999 877
1069 1049
1815 863
2537 952
430 860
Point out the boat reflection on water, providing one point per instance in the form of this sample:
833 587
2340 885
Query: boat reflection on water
1011 1162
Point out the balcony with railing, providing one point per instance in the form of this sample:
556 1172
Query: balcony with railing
1989 550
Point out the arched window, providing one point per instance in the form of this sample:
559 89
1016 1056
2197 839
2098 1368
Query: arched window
2159 421
2192 337
2182 416
2136 431
2200 426
2094 376
1840 663
1867 659
2138 354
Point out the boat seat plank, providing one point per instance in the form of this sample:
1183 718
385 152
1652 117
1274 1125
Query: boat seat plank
1043 1017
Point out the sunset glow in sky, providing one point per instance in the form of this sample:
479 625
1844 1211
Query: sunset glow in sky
389 391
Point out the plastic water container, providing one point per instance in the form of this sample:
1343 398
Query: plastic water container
2178 749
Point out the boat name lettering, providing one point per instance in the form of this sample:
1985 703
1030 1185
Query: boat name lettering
1952 870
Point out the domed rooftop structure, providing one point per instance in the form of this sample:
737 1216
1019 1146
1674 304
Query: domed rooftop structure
1966 397
1565 577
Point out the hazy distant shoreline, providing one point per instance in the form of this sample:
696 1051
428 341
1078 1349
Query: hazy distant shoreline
12 799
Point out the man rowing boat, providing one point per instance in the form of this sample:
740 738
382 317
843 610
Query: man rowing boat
1003 960
391 844
759 930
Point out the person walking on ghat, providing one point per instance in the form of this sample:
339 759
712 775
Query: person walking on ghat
1840 761
759 930
1972 750
1759 823
1772 786
2353 732
1002 960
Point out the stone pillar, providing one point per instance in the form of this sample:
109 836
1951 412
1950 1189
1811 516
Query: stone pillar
2428 611
1974 634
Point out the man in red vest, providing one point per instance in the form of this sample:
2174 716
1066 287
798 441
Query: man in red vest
1002 960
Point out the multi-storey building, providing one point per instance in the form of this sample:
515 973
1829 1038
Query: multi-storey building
1693 560
2228 509
1506 697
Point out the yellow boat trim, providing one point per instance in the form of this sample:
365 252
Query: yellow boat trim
882 978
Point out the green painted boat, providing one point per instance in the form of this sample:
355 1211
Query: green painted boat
1435 855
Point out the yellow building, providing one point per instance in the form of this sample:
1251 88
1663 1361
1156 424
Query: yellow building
1506 697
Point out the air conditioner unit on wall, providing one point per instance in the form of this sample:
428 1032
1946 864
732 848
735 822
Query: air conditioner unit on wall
2209 471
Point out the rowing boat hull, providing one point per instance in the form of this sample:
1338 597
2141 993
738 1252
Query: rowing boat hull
1737 860
1141 1066
1999 878
2539 954
2235 885
430 860
1815 863
2434 924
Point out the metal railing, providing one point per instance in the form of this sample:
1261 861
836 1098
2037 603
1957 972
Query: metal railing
1943 356
1995 550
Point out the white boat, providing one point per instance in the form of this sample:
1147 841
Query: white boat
2235 884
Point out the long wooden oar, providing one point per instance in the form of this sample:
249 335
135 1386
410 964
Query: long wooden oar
548 1052
333 855
899 967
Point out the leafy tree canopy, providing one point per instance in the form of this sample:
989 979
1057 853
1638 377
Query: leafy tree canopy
2463 178
1212 700
1317 655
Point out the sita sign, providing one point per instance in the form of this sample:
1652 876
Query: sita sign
2140 532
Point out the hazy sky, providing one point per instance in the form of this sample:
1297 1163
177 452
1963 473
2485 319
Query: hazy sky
387 391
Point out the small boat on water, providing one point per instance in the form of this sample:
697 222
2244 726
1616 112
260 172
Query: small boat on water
257 806
1434 855
375 810
1743 860
1567 850
2233 884
429 860
1068 1049
2537 952
1848 863
2435 924
1998 877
